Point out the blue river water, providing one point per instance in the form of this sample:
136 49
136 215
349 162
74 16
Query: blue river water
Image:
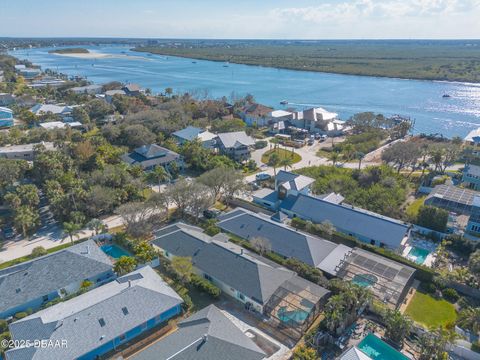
344 94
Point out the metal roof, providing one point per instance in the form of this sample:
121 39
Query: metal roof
234 139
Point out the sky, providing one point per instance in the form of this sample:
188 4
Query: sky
243 19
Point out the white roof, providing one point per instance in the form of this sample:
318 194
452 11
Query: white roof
325 115
280 113
206 136
50 108
59 125
473 136
4 109
354 354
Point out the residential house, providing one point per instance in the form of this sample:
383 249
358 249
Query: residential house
292 196
388 280
191 133
45 81
26 72
318 120
205 335
23 152
236 145
99 321
88 89
62 112
256 114
109 94
50 125
150 156
6 117
132 89
471 176
6 99
31 284
473 136
260 284
284 240
460 201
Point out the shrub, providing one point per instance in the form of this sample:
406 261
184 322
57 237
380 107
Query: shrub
476 346
450 295
428 287
20 315
432 218
3 326
261 144
205 285
212 230
38 251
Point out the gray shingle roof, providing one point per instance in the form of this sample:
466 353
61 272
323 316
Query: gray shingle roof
77 320
206 335
235 139
351 219
284 240
43 275
150 155
248 273
189 133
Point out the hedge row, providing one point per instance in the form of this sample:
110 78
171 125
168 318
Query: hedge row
423 273
205 285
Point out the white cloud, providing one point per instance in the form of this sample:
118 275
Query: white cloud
380 10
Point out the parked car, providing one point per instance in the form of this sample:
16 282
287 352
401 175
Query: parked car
8 233
211 213
310 142
262 176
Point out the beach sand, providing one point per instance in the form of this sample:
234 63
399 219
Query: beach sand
97 55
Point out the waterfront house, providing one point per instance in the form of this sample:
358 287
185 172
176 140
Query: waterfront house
205 335
6 117
236 145
471 176
132 89
318 120
262 285
23 152
150 156
31 284
99 321
28 73
256 114
191 133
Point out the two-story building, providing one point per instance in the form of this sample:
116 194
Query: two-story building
236 145
192 133
256 114
33 283
150 156
99 321
471 176
25 151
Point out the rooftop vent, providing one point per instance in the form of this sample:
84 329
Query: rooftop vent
125 311
17 290
101 321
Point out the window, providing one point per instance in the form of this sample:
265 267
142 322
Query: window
45 298
125 311
240 296
208 277
101 321
372 242
122 337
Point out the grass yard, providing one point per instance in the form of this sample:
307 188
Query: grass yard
430 312
282 154
414 207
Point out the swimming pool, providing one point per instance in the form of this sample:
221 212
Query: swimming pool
364 280
418 254
379 350
298 315
114 251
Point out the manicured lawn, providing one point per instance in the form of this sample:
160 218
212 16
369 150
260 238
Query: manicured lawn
414 207
430 312
282 154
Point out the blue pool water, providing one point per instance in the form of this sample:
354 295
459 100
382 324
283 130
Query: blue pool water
418 254
298 316
344 94
379 350
364 280
114 251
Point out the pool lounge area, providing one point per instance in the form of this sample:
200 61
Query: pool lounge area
420 251
114 251
377 349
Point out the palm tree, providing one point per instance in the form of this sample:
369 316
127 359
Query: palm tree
71 229
359 156
26 219
469 319
274 161
286 162
334 157
96 225
397 326
348 152
158 175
